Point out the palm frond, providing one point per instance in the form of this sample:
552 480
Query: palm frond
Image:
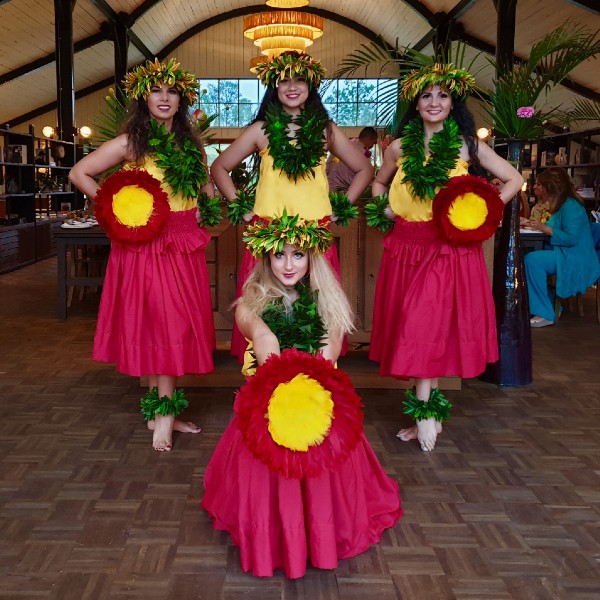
394 61
374 53
108 122
583 110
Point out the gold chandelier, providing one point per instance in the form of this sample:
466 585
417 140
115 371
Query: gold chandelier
275 32
287 3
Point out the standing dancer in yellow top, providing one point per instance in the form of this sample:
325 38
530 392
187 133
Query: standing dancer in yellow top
292 133
433 310
155 314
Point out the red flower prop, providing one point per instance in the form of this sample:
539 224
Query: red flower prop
131 206
467 210
252 408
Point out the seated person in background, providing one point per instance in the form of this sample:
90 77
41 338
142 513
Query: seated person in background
339 175
572 257
540 211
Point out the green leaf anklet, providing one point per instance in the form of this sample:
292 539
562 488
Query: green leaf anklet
151 404
437 406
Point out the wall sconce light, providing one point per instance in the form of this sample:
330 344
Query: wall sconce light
483 133
85 131
48 131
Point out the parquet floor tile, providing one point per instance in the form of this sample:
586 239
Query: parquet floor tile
507 507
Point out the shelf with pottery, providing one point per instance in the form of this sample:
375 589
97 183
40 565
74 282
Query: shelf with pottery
579 153
34 193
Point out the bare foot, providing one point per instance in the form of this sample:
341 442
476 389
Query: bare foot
426 434
407 434
181 426
163 432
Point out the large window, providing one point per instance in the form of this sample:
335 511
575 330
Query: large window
350 102
235 101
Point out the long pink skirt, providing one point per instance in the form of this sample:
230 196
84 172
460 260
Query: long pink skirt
155 314
434 313
283 523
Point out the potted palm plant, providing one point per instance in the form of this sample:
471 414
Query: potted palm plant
517 109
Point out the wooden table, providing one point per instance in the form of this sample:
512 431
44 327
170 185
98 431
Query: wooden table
533 240
65 238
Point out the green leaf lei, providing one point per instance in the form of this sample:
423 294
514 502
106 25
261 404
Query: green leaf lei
375 213
151 404
296 156
242 205
301 327
444 148
182 162
437 406
210 210
342 208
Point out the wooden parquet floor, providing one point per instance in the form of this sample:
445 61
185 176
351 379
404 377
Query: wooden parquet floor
508 505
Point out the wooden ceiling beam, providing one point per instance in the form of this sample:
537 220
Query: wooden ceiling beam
124 21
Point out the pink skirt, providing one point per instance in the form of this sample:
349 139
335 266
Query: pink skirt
155 314
238 341
434 313
281 523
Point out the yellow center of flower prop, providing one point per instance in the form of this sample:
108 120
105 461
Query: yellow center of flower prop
468 212
132 205
300 413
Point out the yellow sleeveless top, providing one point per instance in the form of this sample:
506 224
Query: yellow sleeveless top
307 197
177 202
405 206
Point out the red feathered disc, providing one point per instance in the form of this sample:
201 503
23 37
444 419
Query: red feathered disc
456 188
105 213
252 403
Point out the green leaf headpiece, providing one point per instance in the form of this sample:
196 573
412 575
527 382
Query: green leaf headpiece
140 80
457 81
290 64
265 237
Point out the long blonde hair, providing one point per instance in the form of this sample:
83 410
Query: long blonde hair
263 287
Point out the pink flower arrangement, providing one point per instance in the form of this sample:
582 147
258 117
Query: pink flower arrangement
525 112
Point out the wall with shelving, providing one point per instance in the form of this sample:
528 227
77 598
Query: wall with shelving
578 152
34 195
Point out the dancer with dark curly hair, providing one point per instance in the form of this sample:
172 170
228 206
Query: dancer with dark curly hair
433 311
155 314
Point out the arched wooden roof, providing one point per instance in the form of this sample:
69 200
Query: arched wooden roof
156 27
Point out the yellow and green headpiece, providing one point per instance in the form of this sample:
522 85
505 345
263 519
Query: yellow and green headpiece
458 82
266 237
290 64
140 80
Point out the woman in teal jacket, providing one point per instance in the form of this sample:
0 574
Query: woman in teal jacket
572 257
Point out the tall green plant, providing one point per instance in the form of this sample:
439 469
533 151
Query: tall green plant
517 107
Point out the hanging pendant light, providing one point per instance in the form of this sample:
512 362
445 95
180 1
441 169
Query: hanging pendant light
287 3
278 31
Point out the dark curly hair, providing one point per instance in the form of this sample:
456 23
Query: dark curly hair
137 127
466 127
